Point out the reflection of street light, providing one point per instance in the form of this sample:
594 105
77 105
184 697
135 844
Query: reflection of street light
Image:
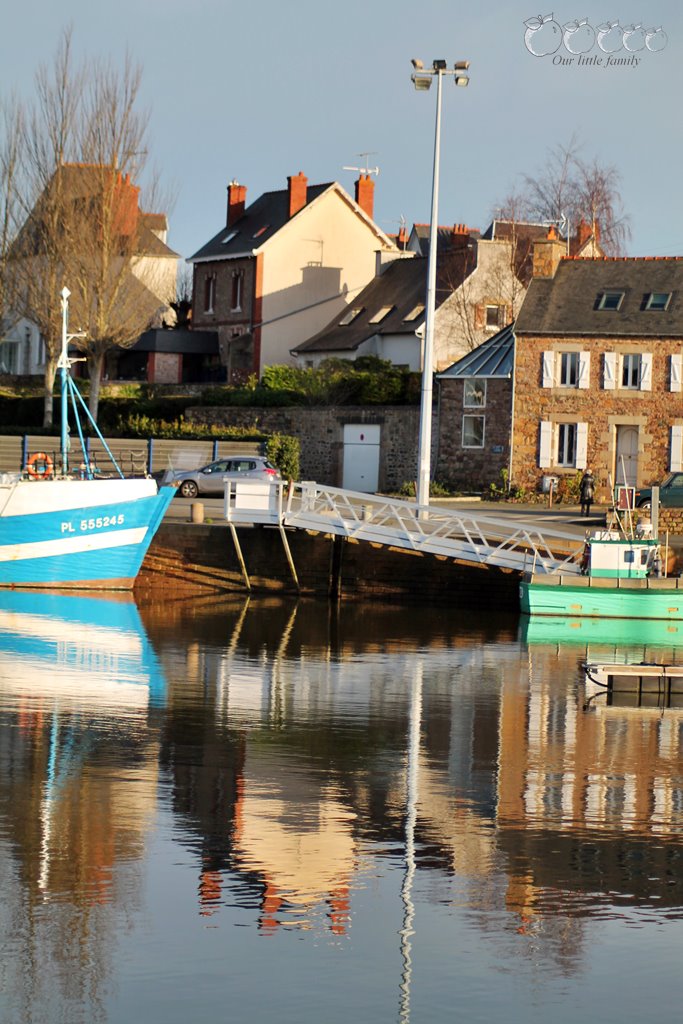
422 80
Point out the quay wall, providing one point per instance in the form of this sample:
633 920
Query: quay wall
189 558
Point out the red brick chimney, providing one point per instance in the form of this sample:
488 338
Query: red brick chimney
237 197
583 233
365 194
298 189
402 238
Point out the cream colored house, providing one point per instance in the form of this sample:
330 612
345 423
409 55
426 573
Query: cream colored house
280 269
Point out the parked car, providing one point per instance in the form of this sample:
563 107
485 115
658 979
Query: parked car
670 493
210 480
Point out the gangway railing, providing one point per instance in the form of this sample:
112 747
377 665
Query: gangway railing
468 536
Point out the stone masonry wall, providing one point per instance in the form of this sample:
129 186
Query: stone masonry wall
473 468
653 412
321 434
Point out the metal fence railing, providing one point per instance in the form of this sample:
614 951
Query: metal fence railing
135 456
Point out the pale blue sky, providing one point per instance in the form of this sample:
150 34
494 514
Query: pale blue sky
261 89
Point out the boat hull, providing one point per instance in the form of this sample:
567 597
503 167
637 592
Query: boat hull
89 534
605 598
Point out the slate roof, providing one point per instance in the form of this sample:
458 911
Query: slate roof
177 340
402 285
567 303
259 222
493 358
444 238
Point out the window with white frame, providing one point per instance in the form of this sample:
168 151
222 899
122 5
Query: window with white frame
209 292
566 369
675 371
472 431
237 284
630 371
563 444
474 394
494 317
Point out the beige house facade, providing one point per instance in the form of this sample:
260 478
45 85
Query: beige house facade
281 268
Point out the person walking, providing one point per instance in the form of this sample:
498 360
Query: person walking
587 492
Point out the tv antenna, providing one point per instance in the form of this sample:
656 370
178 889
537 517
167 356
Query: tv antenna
364 170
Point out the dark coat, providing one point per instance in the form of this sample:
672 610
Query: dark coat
586 488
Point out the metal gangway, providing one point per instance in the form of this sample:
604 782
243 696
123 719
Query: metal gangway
480 539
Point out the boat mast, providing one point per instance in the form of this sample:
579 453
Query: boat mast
63 365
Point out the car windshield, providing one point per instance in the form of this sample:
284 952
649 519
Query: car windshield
673 480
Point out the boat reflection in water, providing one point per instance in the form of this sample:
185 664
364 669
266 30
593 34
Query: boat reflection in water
78 678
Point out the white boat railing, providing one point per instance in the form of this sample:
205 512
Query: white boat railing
481 539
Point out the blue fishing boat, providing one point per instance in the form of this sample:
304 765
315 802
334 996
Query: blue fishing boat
61 528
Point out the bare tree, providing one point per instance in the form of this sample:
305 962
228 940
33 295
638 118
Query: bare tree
85 144
11 136
572 188
38 253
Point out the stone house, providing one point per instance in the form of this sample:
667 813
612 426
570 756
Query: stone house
279 269
598 370
474 409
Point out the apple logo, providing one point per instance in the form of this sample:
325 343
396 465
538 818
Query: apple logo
610 37
656 39
634 38
579 36
543 35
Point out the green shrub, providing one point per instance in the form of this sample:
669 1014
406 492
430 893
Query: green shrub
284 452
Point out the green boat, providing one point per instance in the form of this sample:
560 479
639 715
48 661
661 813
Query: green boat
619 578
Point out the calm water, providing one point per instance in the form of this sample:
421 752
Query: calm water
268 811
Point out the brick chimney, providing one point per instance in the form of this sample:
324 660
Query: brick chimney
365 194
460 236
298 189
237 197
583 233
402 237
547 254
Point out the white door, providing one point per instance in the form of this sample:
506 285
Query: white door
627 457
361 457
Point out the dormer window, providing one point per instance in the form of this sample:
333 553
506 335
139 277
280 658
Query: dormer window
657 300
609 300
380 315
350 316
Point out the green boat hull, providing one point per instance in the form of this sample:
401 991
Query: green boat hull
612 599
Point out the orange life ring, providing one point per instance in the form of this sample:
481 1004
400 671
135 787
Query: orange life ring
40 466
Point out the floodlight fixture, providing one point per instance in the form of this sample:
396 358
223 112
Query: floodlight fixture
462 80
461 65
417 63
421 82
439 65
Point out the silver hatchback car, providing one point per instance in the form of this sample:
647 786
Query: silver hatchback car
211 479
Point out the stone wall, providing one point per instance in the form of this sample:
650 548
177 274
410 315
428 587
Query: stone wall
473 468
652 412
320 431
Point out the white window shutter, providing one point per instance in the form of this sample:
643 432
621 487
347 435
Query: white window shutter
609 363
676 455
548 369
646 371
545 456
676 368
581 445
584 369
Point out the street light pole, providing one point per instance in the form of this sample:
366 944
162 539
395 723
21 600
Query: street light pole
422 79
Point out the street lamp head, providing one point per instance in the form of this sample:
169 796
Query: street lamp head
417 63
421 82
439 65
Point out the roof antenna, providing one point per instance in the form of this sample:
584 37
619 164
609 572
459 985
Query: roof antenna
364 170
